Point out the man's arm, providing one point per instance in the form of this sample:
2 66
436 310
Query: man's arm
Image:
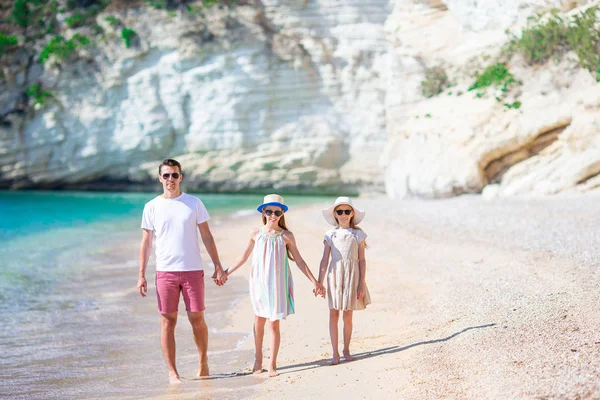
211 248
145 249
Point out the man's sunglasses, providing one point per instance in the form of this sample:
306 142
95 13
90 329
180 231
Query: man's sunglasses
175 175
340 212
277 213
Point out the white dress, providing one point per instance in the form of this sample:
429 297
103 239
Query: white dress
343 274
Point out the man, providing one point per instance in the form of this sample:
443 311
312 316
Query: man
175 218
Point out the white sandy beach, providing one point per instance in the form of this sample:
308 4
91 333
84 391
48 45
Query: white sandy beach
471 299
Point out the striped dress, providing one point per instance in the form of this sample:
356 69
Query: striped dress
271 286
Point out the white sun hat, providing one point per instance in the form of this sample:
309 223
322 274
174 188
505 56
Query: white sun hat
273 200
328 212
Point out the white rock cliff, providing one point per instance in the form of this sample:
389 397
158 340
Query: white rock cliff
307 96
452 144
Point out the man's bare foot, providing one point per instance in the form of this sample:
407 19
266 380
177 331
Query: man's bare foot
335 360
257 369
348 356
273 372
174 378
203 369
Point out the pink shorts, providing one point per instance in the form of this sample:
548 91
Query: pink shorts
170 284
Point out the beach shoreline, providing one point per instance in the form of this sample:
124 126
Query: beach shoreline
471 299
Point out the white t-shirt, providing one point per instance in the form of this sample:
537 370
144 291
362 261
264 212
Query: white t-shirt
175 225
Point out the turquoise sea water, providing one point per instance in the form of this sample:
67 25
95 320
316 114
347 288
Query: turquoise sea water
41 232
25 213
68 263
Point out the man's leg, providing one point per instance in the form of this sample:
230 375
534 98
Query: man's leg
192 288
167 293
201 339
167 344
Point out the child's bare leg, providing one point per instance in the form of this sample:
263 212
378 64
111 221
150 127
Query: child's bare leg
259 333
347 334
334 317
275 340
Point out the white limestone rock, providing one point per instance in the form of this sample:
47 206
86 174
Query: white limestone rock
307 96
452 144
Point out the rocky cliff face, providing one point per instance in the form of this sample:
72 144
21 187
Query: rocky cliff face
457 143
283 95
303 96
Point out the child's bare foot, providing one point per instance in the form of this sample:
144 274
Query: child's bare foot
348 356
257 369
273 372
203 369
174 378
335 360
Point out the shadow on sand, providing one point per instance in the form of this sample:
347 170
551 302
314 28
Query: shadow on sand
357 357
375 353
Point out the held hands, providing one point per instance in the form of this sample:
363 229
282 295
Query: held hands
220 276
319 290
224 277
142 286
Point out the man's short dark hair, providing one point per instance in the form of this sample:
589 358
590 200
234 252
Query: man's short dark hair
169 162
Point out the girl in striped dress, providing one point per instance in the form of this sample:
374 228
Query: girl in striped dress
271 286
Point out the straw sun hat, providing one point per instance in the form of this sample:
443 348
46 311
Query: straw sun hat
328 212
273 200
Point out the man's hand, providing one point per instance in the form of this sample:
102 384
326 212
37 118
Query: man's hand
142 286
219 277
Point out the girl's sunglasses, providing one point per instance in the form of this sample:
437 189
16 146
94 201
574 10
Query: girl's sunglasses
341 212
175 175
277 213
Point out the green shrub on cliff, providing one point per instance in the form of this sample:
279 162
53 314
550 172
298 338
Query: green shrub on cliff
197 9
436 80
497 76
75 20
158 4
38 95
62 49
514 105
540 41
494 75
554 36
85 16
7 41
25 12
113 21
584 39
128 35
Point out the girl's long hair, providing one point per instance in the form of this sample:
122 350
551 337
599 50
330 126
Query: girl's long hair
281 224
352 224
